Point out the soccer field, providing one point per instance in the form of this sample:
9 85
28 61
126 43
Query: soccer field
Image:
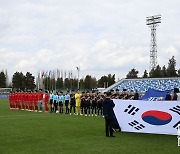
24 132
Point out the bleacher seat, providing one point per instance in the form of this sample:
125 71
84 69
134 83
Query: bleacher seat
142 85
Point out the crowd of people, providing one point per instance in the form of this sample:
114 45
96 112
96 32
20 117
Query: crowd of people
78 103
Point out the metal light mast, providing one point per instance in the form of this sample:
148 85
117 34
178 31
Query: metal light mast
153 22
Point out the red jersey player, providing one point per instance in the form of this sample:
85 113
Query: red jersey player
46 101
30 98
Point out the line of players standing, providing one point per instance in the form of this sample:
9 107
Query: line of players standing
31 101
57 102
90 104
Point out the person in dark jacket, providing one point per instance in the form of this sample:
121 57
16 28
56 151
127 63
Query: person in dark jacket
136 95
168 96
108 112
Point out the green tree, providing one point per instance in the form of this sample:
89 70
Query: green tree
18 81
178 72
155 73
145 75
47 83
75 83
94 83
53 84
67 84
29 81
106 81
133 73
59 83
111 79
2 80
171 69
102 82
164 71
90 82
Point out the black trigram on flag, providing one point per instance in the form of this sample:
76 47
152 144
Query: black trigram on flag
176 125
131 110
176 109
136 125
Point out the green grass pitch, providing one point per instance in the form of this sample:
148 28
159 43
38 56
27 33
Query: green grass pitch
23 132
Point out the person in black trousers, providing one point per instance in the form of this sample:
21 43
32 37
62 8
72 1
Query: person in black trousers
108 112
73 102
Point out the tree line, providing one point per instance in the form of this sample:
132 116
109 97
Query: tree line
27 81
87 83
158 72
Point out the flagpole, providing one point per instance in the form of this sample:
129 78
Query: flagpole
55 80
78 69
47 80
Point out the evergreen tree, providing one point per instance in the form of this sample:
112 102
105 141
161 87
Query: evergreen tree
90 82
171 69
155 73
67 84
47 83
133 73
102 82
81 83
145 75
106 81
2 80
29 81
178 72
18 81
111 79
59 83
75 83
94 83
164 71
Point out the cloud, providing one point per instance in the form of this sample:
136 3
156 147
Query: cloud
101 37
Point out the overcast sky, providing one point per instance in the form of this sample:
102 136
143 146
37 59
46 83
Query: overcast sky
100 36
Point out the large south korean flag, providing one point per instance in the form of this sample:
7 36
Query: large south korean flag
157 117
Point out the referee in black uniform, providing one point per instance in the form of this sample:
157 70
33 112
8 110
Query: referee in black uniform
108 112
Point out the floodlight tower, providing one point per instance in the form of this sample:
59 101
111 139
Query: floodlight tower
153 22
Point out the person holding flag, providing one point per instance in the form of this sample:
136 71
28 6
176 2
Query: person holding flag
108 112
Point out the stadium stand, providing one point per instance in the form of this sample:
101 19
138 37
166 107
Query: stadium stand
143 84
4 92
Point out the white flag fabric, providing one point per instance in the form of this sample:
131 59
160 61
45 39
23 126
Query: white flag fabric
156 117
